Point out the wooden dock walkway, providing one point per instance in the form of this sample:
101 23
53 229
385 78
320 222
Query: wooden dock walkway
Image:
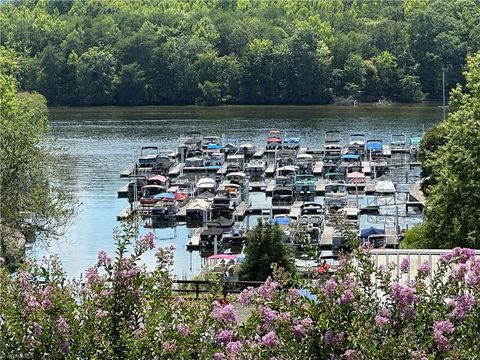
127 172
194 242
223 170
125 214
270 171
326 240
366 167
295 210
122 192
318 168
269 188
320 187
259 154
176 170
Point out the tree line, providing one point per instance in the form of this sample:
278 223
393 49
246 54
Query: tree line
131 52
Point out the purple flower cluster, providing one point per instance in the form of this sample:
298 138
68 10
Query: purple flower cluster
245 297
103 258
270 339
183 329
352 355
440 329
302 327
62 326
268 316
267 290
424 269
404 295
330 287
225 336
234 347
333 339
145 242
347 297
463 254
463 305
224 313
405 265
381 321
473 277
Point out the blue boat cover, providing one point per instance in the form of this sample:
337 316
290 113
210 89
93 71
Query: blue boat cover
350 157
214 146
281 221
164 195
374 145
213 167
366 232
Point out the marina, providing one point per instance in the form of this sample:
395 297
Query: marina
98 185
219 184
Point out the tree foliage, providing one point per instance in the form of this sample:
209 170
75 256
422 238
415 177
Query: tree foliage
452 158
264 248
29 195
261 52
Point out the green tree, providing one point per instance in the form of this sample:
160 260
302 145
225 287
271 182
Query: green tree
264 248
210 93
453 205
29 198
131 85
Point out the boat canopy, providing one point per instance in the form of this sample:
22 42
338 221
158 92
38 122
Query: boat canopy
366 232
374 145
274 140
206 182
415 140
350 157
237 174
356 177
293 140
281 221
335 175
305 156
164 195
214 146
291 168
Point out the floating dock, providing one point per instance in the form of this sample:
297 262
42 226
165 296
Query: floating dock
318 168
122 192
270 170
176 170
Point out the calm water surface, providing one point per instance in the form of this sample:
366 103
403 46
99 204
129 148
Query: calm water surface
98 143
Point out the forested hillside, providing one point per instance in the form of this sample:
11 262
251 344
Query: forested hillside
130 52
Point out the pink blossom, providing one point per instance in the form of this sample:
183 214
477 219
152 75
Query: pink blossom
333 339
292 296
225 336
446 257
347 297
224 313
404 295
64 346
460 271
37 329
219 356
405 265
92 275
103 258
245 297
381 321
234 347
424 269
168 346
440 328
24 278
183 329
330 287
352 355
62 326
47 291
268 316
270 339
463 305
464 254
146 242
268 288
46 304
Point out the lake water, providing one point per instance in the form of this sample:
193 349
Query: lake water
98 143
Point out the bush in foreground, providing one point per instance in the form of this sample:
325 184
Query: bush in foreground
122 311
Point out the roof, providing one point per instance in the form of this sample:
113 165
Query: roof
214 146
158 177
374 145
304 156
164 195
235 174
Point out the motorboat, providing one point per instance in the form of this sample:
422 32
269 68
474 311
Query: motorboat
246 148
332 136
357 142
305 184
256 167
399 143
274 140
149 192
374 148
335 195
292 143
151 161
305 163
283 195
206 184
